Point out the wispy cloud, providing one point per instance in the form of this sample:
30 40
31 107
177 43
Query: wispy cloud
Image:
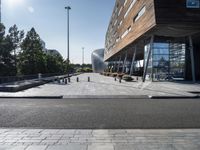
31 9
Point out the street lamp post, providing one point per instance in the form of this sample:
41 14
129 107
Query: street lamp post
68 8
0 11
83 50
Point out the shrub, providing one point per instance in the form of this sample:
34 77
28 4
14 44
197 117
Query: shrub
120 75
104 73
127 78
108 74
114 75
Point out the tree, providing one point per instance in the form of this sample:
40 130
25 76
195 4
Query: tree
7 65
31 57
16 37
54 64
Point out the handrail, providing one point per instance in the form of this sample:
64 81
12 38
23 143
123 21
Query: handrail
25 77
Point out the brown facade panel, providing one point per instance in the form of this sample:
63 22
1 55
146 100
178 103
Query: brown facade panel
138 28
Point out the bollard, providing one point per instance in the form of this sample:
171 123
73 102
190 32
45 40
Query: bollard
69 80
137 78
77 79
39 76
120 80
65 81
115 79
88 79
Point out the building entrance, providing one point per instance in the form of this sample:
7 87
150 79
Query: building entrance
166 61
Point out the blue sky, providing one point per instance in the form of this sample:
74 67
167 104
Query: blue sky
88 20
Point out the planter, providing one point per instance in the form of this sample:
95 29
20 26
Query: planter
114 74
120 75
127 78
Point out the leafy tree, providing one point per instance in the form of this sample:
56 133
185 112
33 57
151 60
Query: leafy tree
32 58
54 64
7 66
16 37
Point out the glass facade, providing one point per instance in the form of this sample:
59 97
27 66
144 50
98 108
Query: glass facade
193 3
98 64
167 61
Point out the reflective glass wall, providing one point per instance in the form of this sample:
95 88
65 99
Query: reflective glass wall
167 61
98 64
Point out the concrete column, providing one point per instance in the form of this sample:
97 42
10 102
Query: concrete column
125 59
148 58
119 63
133 60
192 59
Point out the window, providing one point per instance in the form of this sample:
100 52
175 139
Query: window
120 11
115 23
130 7
125 2
118 38
120 24
193 4
141 12
126 32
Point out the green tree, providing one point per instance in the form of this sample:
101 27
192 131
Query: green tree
16 37
7 65
54 64
31 57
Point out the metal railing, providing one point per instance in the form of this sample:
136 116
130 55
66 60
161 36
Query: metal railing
25 77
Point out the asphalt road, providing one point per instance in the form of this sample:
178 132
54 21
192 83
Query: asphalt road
100 113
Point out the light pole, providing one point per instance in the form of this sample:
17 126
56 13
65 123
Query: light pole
68 8
83 50
0 11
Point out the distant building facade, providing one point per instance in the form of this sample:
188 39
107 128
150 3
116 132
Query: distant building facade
156 39
53 52
98 64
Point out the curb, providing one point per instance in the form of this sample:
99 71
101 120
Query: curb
105 97
173 97
31 97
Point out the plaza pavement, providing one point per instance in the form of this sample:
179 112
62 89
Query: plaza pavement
107 86
44 139
41 139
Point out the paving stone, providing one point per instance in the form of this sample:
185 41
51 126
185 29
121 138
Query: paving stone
101 147
125 147
83 132
13 147
36 148
186 147
68 147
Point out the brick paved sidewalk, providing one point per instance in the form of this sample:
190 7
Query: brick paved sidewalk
36 139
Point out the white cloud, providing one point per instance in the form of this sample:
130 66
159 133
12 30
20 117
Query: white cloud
31 9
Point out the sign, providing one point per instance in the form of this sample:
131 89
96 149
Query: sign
193 3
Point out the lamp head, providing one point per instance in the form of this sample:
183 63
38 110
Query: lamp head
68 7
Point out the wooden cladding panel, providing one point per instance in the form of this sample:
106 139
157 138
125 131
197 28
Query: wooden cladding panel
140 27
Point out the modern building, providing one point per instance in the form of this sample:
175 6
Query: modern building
98 64
53 52
43 45
156 39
